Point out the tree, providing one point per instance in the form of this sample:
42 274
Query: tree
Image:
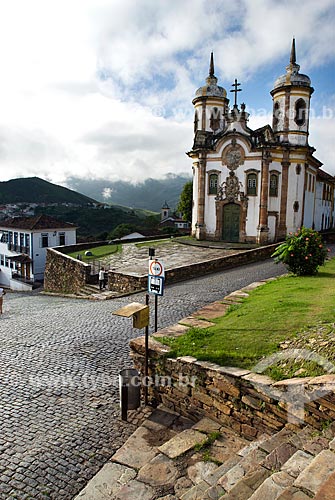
122 230
185 201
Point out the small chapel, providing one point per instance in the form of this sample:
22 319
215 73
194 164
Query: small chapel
256 186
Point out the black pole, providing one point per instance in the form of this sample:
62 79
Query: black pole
146 370
124 400
156 312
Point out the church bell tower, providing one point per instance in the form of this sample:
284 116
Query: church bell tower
291 104
210 104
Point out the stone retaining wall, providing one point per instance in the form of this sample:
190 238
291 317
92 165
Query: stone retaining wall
121 282
78 247
248 402
64 273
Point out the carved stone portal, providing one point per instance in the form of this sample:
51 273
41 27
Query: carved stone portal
230 190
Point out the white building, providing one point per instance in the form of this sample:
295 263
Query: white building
23 246
257 185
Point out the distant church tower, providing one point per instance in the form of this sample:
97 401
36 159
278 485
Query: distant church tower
291 103
165 211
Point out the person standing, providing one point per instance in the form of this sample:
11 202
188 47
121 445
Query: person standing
102 278
2 294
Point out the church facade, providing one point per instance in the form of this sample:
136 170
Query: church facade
257 185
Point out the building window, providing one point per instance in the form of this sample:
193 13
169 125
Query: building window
213 184
214 121
44 240
196 121
300 112
4 237
273 185
251 184
276 115
296 206
61 239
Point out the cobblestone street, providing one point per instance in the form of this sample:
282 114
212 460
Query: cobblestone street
60 358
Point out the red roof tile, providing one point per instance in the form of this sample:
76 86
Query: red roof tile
35 223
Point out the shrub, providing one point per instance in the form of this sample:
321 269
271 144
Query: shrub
302 252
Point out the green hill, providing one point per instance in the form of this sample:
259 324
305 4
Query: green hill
36 190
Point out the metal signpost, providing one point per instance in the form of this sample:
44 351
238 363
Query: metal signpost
156 279
129 392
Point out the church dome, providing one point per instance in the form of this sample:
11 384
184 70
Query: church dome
292 76
211 89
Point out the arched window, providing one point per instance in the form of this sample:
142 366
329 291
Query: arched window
196 121
273 185
276 115
213 184
252 184
300 112
214 121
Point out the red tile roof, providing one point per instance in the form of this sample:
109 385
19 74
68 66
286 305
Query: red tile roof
35 223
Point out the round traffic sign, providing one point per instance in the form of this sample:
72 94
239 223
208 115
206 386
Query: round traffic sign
155 268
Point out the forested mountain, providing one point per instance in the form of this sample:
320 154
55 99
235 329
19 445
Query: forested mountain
36 190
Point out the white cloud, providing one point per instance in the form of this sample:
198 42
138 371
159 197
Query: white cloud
103 88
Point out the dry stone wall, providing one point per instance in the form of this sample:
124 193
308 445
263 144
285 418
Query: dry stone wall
250 403
64 274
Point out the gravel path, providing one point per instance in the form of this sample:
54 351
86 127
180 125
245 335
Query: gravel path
59 364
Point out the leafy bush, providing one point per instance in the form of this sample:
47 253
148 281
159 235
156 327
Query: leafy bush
302 252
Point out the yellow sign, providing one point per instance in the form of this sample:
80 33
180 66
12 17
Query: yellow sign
139 312
141 318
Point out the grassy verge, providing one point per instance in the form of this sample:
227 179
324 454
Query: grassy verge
97 252
276 313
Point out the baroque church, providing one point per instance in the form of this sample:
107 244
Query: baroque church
256 186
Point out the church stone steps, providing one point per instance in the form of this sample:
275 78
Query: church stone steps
277 468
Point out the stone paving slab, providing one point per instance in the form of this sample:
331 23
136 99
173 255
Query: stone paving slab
292 493
273 486
212 311
192 321
137 450
182 443
206 425
297 463
327 490
172 331
107 482
134 490
315 474
160 471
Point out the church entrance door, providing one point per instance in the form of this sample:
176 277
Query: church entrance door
231 222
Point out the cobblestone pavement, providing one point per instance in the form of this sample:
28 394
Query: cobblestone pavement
134 259
59 363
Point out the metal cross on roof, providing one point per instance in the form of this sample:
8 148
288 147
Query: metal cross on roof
235 90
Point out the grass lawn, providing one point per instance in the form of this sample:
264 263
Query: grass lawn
97 252
276 312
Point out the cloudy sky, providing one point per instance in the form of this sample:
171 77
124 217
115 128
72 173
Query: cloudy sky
103 88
